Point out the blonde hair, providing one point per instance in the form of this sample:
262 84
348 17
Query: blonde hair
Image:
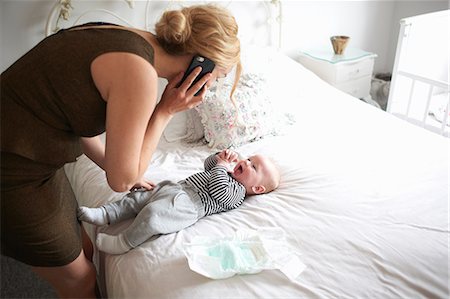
208 30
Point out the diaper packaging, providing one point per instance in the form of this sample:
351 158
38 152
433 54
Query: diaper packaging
246 252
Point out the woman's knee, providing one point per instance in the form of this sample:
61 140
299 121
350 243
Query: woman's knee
71 279
81 270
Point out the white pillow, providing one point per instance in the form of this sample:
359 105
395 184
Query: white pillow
176 128
185 125
253 117
194 127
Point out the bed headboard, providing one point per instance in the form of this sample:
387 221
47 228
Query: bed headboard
263 28
419 91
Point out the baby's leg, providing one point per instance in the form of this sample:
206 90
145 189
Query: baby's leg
126 208
170 211
112 244
95 216
169 214
129 206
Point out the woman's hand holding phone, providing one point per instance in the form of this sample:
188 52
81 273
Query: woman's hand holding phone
206 64
176 99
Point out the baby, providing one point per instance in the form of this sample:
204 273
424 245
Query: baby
169 207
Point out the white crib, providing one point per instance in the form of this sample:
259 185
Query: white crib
420 81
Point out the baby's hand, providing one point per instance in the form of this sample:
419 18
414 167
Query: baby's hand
227 156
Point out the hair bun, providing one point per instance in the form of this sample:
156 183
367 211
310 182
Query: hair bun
174 27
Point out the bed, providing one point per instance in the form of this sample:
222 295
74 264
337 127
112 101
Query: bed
363 199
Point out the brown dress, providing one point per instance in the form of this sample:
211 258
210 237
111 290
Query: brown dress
49 101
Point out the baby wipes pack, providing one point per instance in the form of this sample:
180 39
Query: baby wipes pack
245 252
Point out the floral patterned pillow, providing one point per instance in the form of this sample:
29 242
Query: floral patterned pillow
253 117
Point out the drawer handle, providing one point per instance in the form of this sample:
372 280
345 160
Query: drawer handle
356 72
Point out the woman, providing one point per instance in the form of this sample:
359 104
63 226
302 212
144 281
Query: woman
70 88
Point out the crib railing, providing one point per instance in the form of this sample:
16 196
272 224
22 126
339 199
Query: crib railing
433 85
411 93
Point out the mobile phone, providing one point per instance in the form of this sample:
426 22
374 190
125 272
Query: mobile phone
207 67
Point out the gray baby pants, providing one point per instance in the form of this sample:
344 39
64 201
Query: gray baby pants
167 208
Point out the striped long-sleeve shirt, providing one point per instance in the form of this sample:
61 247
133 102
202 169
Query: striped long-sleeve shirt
219 192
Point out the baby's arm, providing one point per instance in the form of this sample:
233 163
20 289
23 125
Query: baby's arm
224 158
224 190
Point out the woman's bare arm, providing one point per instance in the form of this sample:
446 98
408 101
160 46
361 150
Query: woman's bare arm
129 85
94 149
134 123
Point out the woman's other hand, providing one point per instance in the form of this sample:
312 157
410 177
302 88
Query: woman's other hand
176 99
143 183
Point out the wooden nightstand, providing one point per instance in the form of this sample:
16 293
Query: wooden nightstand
350 72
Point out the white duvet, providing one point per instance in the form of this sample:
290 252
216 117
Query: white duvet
364 199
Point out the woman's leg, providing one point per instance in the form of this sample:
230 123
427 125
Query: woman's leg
88 248
78 266
39 226
74 280
77 279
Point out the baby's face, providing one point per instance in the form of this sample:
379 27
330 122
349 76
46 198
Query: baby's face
252 171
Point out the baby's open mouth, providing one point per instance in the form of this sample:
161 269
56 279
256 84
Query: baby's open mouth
238 169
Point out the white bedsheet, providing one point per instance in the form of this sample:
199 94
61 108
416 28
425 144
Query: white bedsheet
364 198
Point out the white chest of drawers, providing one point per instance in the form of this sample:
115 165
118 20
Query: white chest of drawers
350 72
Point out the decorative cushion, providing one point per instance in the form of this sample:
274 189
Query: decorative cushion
194 130
253 117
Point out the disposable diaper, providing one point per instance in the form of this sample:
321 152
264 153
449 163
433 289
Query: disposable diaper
246 252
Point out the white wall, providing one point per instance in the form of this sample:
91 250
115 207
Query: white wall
372 25
405 9
368 23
